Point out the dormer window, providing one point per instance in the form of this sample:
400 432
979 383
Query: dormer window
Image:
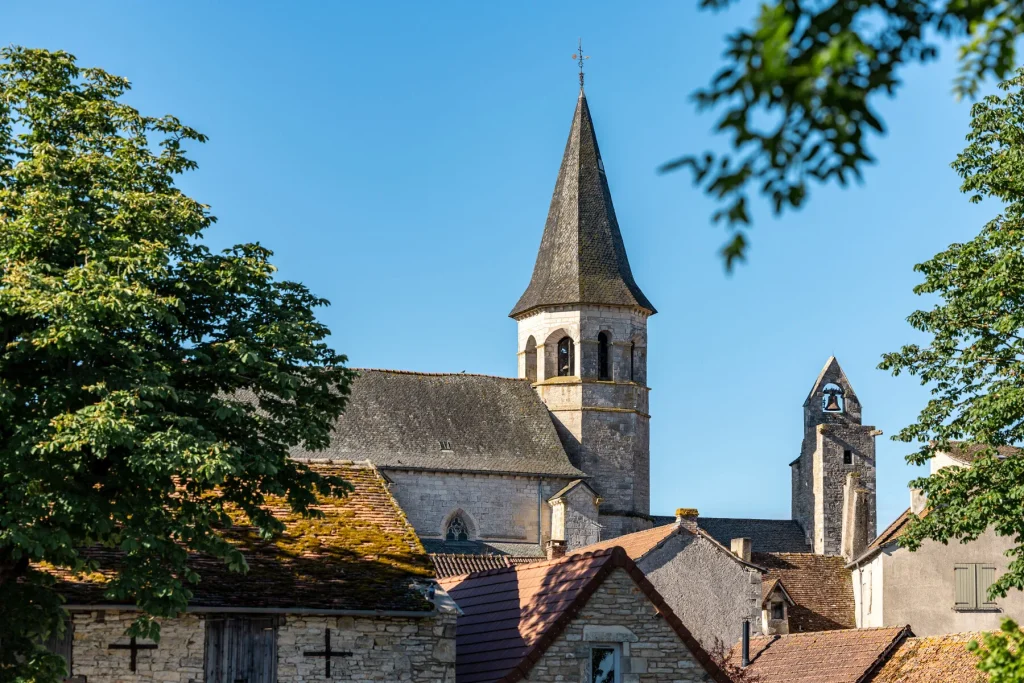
778 610
446 445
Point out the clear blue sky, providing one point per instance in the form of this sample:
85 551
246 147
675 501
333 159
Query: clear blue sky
399 159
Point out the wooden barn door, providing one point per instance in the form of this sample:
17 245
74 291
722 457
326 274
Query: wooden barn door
241 650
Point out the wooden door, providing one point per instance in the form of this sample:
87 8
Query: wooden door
241 650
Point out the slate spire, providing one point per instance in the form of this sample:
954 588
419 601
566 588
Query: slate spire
582 259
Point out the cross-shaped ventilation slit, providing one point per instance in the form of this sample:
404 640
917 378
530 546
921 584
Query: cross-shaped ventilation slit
445 445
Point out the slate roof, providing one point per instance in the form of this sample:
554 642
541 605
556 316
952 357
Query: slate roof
937 659
440 546
511 616
766 535
582 258
399 420
362 555
821 588
849 656
457 565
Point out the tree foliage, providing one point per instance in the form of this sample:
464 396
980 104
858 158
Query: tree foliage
795 92
974 363
1001 654
147 384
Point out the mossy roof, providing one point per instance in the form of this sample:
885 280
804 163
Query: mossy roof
362 554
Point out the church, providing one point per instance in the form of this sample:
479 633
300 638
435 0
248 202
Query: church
493 471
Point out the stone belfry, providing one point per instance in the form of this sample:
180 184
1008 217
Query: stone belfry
583 336
834 477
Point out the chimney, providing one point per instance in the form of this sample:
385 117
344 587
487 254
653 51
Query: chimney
918 501
741 548
746 640
556 549
685 513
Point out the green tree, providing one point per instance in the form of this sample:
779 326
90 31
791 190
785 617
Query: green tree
1001 655
795 92
974 362
126 348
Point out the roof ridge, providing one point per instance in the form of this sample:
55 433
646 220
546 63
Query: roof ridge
534 565
438 374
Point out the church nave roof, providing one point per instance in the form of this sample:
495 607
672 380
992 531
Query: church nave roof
447 422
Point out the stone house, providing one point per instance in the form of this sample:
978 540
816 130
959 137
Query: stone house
938 588
711 589
585 617
350 591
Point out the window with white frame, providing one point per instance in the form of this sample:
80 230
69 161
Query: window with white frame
605 664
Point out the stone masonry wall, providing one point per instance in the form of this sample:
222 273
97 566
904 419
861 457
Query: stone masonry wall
177 659
619 613
498 507
708 589
382 649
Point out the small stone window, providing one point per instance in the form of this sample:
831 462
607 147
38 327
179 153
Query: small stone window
566 357
604 361
778 610
531 359
632 362
457 530
847 457
604 664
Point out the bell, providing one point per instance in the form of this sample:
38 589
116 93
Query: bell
833 404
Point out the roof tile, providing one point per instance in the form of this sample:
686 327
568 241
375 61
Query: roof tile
819 585
937 659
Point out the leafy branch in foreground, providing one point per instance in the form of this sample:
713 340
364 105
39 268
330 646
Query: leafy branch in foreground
148 387
974 364
1001 654
795 91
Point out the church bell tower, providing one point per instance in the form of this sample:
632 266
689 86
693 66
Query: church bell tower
834 477
583 336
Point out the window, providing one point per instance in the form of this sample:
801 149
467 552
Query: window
847 457
778 610
604 664
566 357
971 583
457 530
63 644
241 649
604 365
531 359
632 353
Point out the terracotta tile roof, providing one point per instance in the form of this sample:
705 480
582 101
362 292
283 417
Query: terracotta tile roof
766 535
457 565
440 546
938 659
453 422
511 616
362 555
890 534
848 656
820 586
969 452
636 544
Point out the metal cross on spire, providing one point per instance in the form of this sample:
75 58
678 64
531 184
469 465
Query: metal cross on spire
579 57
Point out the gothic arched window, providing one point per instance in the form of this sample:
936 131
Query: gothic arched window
604 361
457 529
566 357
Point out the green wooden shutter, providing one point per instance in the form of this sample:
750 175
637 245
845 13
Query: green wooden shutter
966 594
986 577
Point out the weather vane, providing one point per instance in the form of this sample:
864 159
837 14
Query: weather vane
579 57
